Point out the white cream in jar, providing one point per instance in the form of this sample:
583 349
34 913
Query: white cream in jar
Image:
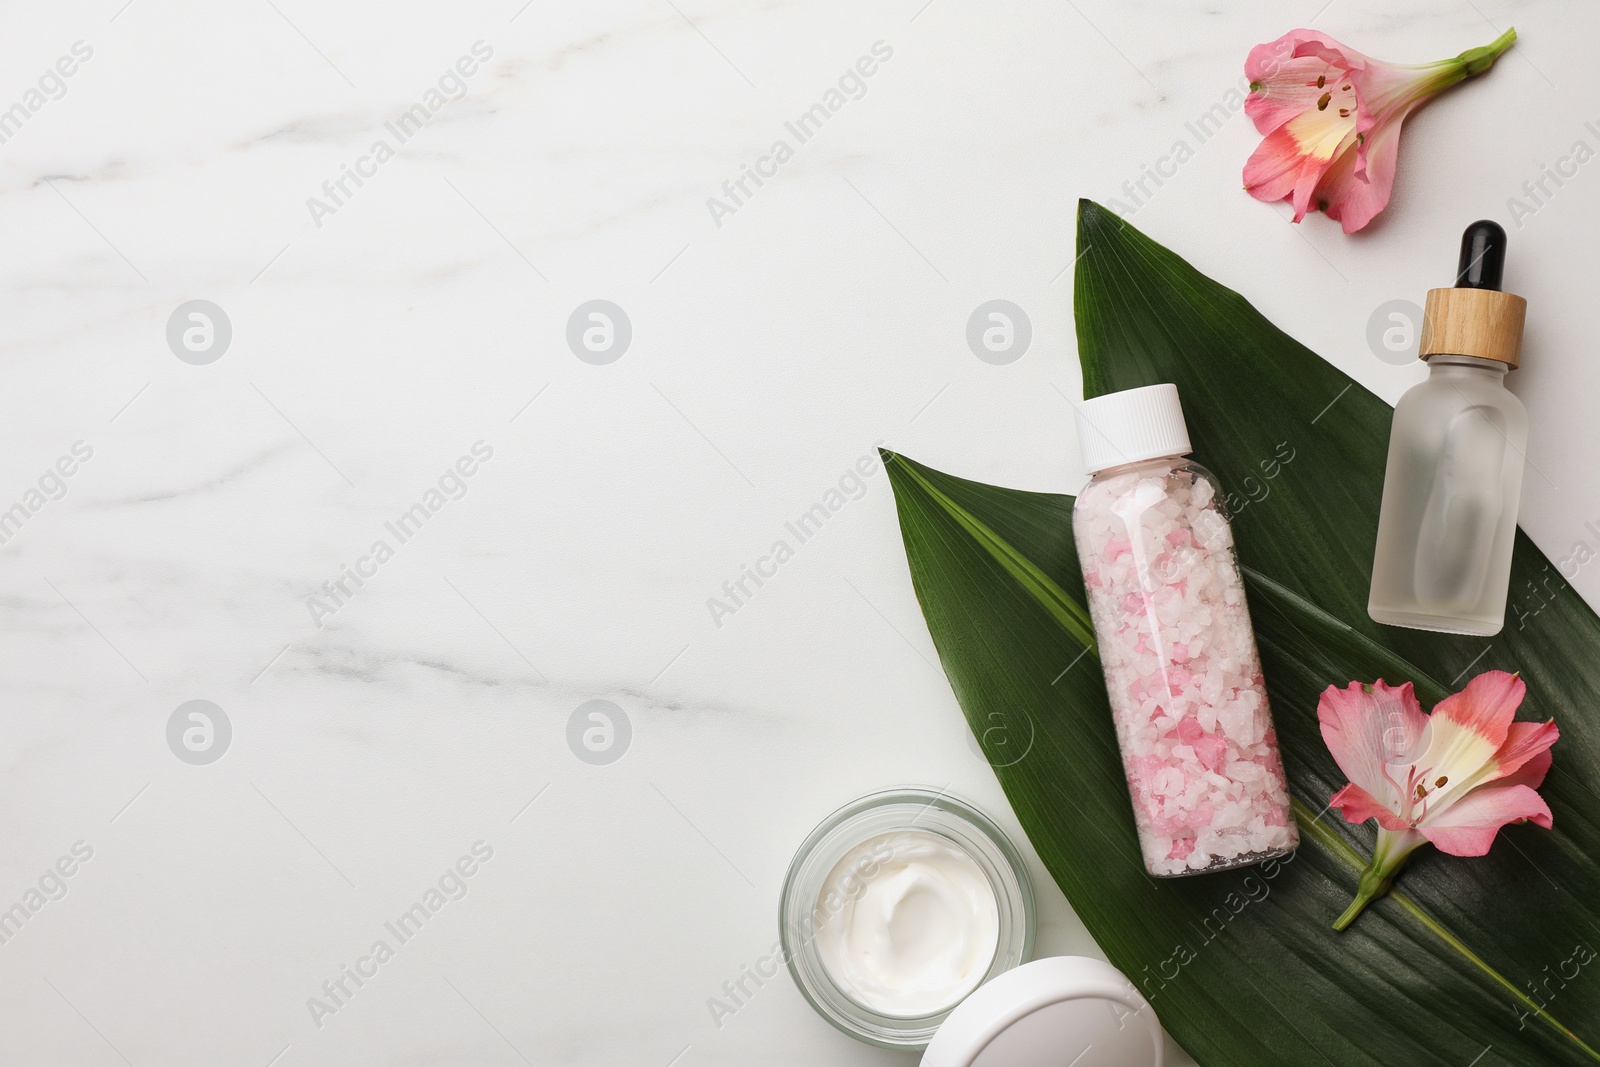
907 923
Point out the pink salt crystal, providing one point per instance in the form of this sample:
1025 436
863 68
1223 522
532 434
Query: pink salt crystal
1148 765
1181 847
1210 749
1161 823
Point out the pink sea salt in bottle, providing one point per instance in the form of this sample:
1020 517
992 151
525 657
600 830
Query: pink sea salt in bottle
1175 642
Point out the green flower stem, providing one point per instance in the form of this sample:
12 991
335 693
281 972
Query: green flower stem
1445 73
1388 856
1477 60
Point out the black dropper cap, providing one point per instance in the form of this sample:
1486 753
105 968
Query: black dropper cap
1483 256
1475 318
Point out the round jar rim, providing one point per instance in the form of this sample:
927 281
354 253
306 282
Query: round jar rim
899 808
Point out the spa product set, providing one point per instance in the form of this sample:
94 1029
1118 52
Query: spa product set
907 918
1164 589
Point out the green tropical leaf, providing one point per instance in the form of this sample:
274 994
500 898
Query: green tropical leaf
1471 961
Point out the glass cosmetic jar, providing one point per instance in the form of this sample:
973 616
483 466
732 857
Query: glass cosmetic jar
897 907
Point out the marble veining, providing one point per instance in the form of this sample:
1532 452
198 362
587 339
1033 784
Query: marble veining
480 683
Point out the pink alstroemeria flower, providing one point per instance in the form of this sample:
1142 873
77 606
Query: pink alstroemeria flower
1332 120
1453 778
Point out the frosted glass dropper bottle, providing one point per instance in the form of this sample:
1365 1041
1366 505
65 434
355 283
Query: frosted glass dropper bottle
1450 493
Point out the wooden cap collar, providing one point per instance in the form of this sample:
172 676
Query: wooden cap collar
1485 323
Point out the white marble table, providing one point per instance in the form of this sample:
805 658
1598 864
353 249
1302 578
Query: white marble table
382 331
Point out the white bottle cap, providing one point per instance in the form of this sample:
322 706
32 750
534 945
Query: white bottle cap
1049 1013
1131 426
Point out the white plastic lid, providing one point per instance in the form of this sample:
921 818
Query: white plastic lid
1131 426
1048 1013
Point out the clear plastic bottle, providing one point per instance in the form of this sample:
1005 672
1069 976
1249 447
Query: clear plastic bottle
1454 477
1175 642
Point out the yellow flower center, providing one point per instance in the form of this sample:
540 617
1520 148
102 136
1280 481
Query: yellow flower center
1321 131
